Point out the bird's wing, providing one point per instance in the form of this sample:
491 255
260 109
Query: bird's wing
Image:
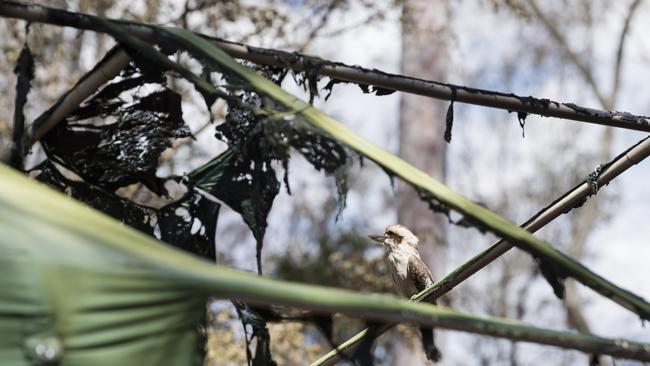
419 273
421 277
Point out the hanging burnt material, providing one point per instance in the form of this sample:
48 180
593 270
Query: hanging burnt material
309 77
24 71
244 177
246 185
330 85
434 204
365 88
111 142
553 274
342 188
256 321
189 223
126 211
373 89
307 72
248 182
521 116
449 118
115 139
260 133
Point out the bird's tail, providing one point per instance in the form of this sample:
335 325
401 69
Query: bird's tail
429 345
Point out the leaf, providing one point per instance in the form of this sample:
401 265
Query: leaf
114 296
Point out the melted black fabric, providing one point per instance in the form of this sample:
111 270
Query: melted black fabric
244 177
114 155
433 203
253 318
126 211
189 223
521 117
115 139
24 71
248 182
449 118
553 275
246 185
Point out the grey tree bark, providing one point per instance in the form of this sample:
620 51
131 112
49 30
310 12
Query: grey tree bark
424 46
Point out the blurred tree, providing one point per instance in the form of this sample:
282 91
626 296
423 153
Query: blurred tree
425 38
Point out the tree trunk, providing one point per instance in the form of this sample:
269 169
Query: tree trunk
424 44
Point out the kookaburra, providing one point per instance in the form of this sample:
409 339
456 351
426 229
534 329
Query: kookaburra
409 273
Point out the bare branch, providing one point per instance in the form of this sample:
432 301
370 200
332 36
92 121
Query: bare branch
619 53
319 27
568 53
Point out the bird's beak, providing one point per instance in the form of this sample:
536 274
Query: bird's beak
378 238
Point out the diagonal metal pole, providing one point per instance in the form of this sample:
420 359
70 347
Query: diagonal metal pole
563 204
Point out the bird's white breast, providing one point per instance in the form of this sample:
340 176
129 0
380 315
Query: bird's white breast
398 261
